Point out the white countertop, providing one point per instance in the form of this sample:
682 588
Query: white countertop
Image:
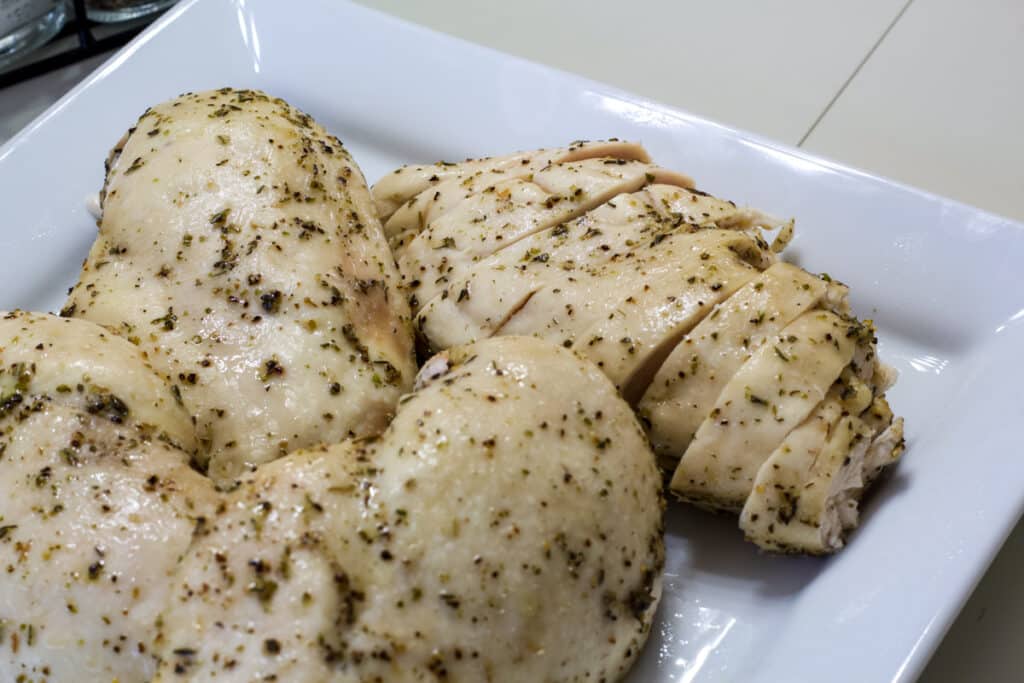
928 92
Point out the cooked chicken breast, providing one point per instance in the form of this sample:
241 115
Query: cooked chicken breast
506 527
805 496
239 248
98 504
690 380
404 191
767 397
727 353
601 284
496 214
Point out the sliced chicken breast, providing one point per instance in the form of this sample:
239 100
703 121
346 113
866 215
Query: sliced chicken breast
676 295
806 495
612 274
690 380
764 400
239 248
499 215
418 185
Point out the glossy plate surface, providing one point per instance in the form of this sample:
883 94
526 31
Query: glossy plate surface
940 279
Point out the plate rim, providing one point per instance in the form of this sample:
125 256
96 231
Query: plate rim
946 611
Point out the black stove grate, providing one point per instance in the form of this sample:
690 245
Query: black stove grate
87 46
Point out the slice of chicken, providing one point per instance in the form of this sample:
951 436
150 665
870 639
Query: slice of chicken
805 496
513 494
685 389
97 505
561 283
405 189
763 401
701 210
484 301
240 249
651 311
501 214
444 197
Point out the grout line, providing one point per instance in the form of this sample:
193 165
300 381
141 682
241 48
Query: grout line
853 75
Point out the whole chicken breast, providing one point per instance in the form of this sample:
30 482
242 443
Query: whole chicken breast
727 353
240 250
506 527
98 503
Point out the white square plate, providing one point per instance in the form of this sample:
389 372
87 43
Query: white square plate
939 278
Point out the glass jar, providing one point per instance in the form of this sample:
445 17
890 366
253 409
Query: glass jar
28 24
107 11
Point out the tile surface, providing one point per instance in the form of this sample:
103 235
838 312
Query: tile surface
765 67
939 105
984 644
